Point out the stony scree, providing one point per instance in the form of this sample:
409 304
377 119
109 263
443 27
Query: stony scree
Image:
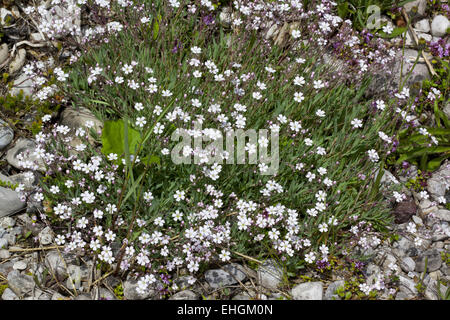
439 181
330 293
270 274
439 26
423 26
10 202
46 236
55 263
8 294
443 214
229 274
308 291
130 291
18 61
26 147
433 258
24 84
20 283
418 6
185 295
3 53
407 264
6 134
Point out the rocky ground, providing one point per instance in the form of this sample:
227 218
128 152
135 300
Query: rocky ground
33 268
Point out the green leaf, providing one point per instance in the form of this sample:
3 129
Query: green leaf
435 163
419 152
156 27
343 10
113 138
152 159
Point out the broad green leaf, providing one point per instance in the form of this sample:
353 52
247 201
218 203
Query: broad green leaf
156 27
113 138
435 163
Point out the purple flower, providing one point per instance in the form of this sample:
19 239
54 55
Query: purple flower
209 19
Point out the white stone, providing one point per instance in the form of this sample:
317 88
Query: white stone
443 214
270 274
6 134
423 26
20 265
408 264
8 294
24 83
3 53
436 185
10 202
27 147
36 36
330 293
439 26
308 291
425 36
419 5
18 61
184 295
46 236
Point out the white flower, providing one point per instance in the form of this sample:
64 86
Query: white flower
179 195
320 113
54 189
296 34
323 227
298 97
224 255
388 29
140 122
196 50
373 155
310 257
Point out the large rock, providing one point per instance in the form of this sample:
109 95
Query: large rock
26 147
443 214
10 202
330 293
46 236
423 26
439 26
184 295
270 274
407 286
22 83
20 283
76 118
18 61
3 53
6 134
407 264
417 6
130 291
433 258
404 210
54 262
439 181
308 291
230 274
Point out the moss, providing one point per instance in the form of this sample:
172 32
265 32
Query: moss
118 291
3 288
